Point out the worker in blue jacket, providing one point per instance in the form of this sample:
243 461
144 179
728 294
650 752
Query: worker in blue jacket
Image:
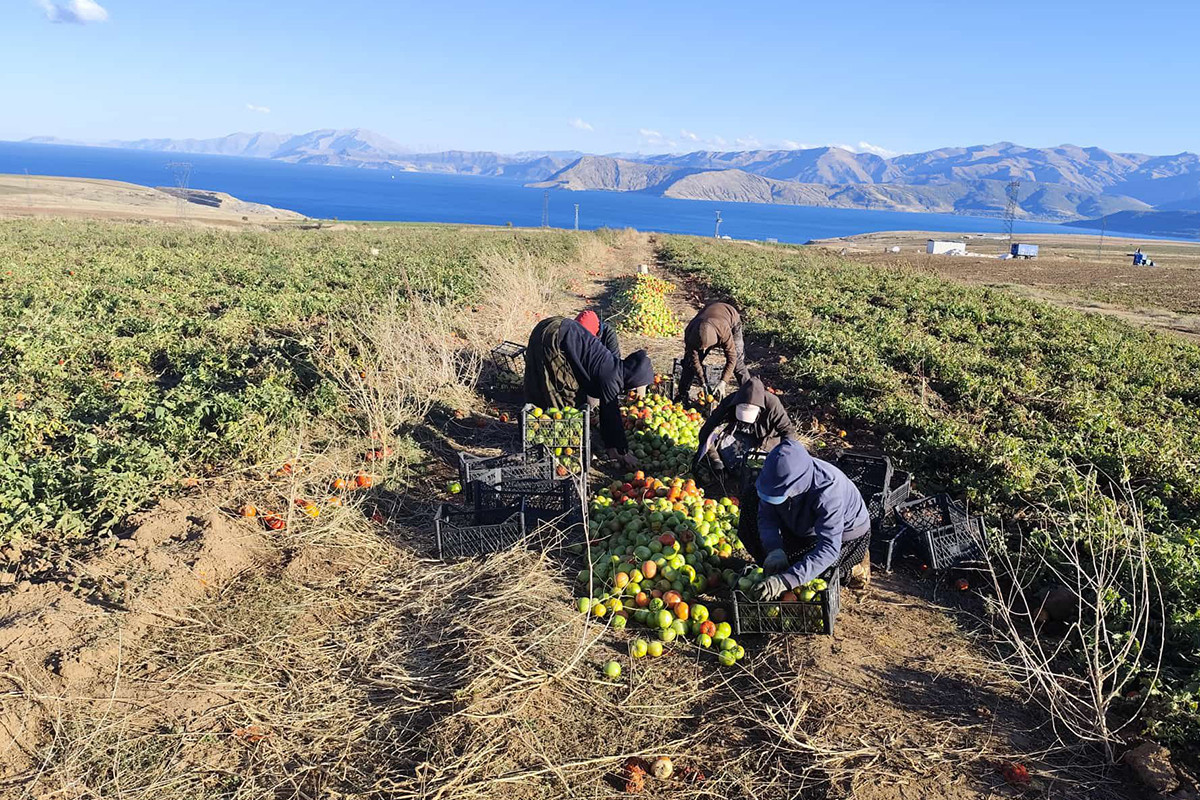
565 364
810 517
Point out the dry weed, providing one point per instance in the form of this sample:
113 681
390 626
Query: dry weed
397 362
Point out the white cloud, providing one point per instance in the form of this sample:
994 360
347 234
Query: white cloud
867 147
79 12
788 144
579 124
691 137
748 142
257 109
653 138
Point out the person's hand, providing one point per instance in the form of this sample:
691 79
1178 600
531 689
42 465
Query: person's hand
776 562
770 589
720 390
629 460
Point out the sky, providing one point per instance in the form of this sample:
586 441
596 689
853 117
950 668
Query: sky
617 76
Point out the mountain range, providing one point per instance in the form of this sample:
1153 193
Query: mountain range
1065 183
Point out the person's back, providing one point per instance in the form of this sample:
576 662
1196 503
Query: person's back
807 504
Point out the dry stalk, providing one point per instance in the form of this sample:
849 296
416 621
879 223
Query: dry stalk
1098 552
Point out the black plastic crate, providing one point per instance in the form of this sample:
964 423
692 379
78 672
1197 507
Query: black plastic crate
497 470
567 440
508 359
948 535
751 466
871 474
883 488
816 616
710 378
463 532
543 500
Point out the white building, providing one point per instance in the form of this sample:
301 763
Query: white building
937 248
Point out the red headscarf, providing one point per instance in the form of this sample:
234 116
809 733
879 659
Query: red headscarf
590 321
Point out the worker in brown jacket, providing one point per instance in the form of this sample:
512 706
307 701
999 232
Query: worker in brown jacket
718 326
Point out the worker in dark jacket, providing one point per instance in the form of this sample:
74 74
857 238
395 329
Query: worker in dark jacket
565 364
810 517
604 332
717 326
749 419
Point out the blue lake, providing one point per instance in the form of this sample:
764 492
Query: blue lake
368 194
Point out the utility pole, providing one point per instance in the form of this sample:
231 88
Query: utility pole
182 171
577 216
717 229
1010 212
546 209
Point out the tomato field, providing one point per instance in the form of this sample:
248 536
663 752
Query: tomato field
133 356
995 398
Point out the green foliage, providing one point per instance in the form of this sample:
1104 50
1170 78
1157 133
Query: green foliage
131 355
993 397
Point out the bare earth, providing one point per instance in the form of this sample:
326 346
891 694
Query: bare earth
1071 270
43 196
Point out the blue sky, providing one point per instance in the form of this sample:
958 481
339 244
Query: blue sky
613 76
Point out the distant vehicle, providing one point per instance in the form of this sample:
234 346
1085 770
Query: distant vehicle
1140 259
1023 250
936 248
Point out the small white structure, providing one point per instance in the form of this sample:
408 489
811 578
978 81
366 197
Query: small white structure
938 248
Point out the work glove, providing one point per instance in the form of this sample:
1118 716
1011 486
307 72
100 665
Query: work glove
776 562
720 390
770 589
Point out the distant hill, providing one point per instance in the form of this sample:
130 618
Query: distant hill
983 197
1057 183
1155 223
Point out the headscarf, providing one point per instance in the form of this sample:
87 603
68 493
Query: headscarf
637 370
590 321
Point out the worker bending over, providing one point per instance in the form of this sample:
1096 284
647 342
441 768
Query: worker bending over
717 326
565 364
749 419
810 517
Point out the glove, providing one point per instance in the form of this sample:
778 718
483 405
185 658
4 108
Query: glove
770 589
775 562
720 390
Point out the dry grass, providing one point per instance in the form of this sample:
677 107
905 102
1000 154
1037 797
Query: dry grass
395 363
398 676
